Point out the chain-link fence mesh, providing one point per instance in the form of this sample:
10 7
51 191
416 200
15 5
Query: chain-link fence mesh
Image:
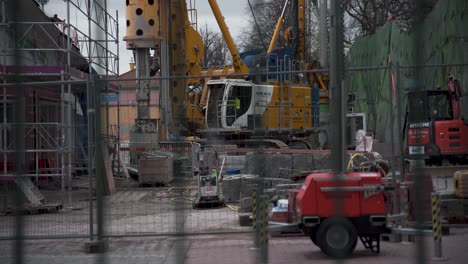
76 161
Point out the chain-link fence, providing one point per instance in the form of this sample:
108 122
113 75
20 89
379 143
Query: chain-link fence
245 176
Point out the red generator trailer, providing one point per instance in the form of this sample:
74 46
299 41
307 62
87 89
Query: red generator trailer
334 211
437 125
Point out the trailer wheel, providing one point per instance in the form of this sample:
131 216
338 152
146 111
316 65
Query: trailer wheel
313 236
337 237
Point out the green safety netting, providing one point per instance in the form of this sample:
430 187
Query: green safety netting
442 38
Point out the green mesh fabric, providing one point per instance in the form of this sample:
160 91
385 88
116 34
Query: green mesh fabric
444 40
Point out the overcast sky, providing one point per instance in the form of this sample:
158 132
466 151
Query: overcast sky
234 13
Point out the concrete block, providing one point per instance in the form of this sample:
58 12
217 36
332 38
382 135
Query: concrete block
245 219
231 188
248 183
99 246
233 162
277 165
408 238
392 238
321 162
302 162
255 164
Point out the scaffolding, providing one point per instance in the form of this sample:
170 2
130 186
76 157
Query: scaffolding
62 67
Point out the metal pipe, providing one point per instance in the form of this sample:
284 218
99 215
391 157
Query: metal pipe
99 158
118 141
117 41
88 13
62 133
19 138
36 139
323 30
403 203
107 73
392 136
418 181
43 84
69 112
397 217
90 111
35 174
411 231
4 128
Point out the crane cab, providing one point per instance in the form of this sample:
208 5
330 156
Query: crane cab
233 103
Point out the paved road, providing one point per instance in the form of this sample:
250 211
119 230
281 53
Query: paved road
225 249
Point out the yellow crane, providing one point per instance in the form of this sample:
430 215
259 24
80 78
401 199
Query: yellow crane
227 105
189 95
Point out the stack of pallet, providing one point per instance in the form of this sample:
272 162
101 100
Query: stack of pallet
460 179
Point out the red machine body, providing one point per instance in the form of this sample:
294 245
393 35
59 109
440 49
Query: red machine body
451 137
311 201
438 125
335 211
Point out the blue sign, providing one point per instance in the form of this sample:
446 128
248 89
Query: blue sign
110 97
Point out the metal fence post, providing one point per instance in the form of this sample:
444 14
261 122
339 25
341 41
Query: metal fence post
406 203
255 218
260 224
264 229
437 227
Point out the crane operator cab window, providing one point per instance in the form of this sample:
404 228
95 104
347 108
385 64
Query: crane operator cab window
439 106
429 105
238 103
214 103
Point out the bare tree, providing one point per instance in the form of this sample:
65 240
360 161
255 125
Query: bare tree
362 18
262 22
263 16
216 51
370 15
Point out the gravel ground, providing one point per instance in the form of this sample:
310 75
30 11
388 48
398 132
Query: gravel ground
226 249
148 211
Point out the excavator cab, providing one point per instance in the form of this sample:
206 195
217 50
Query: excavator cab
426 106
435 131
465 109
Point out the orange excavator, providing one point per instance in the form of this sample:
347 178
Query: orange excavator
437 125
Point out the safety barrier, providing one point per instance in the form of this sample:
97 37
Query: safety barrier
436 227
260 224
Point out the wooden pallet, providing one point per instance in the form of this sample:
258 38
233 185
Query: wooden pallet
49 208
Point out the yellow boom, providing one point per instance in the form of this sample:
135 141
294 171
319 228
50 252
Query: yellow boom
239 65
277 29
